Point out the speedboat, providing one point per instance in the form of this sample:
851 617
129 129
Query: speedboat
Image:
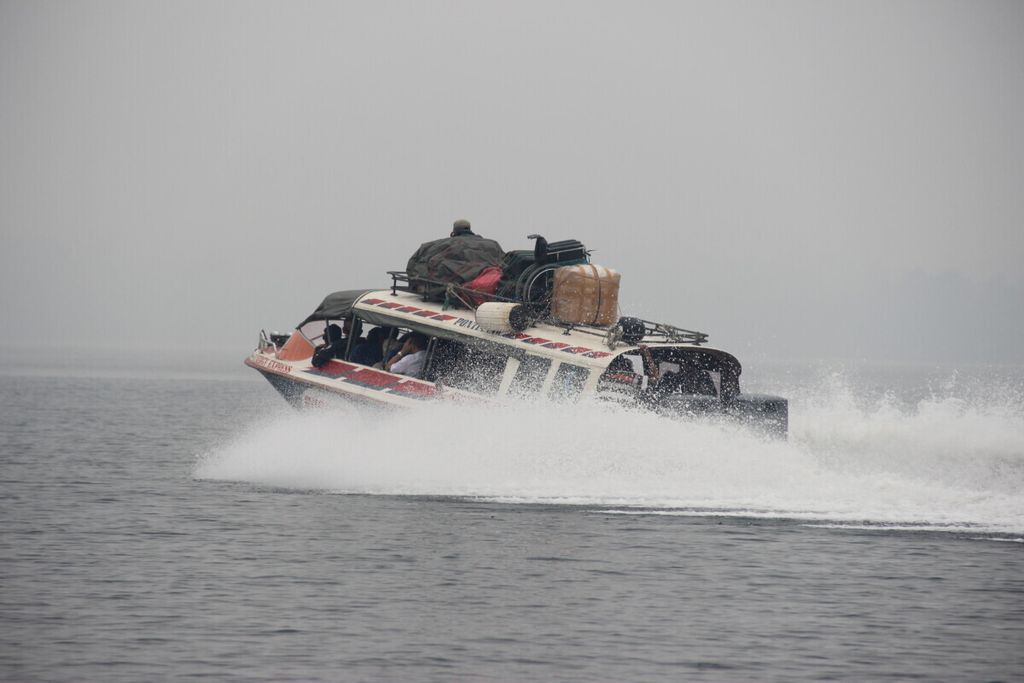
486 348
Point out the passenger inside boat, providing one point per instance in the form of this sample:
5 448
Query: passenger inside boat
390 346
689 378
333 346
696 373
372 350
412 358
658 375
332 334
337 340
352 328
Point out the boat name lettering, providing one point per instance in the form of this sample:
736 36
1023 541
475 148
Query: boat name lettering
272 364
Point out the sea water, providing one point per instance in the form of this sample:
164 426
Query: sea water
170 518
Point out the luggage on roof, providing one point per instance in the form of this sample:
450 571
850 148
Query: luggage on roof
450 260
526 273
565 251
585 295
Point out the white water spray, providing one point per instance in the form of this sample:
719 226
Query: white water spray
944 463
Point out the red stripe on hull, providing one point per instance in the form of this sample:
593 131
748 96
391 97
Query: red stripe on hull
337 368
414 389
374 379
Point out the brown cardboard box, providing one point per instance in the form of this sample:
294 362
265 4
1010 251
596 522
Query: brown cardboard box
586 295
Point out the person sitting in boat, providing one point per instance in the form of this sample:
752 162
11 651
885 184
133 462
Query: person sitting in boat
412 359
332 347
390 344
372 350
332 334
691 379
347 327
336 342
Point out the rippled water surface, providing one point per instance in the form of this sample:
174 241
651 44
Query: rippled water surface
164 521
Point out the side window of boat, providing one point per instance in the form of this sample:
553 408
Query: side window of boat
569 381
473 369
443 359
529 378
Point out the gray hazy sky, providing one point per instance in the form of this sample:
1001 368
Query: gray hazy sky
798 179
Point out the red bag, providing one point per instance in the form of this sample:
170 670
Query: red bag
486 282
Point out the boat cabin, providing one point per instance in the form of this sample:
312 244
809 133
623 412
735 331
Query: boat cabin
559 363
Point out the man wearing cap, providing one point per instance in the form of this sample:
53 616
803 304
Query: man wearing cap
456 259
461 227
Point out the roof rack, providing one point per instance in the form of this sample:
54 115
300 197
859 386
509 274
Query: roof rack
463 295
636 331
626 330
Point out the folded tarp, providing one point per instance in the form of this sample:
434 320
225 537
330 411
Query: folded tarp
451 260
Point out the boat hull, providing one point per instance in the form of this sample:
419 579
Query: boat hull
304 386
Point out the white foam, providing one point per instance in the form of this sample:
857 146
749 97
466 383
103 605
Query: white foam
944 463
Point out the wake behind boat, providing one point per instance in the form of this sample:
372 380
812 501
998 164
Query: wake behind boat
467 322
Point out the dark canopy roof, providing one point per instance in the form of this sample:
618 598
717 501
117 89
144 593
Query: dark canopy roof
336 306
